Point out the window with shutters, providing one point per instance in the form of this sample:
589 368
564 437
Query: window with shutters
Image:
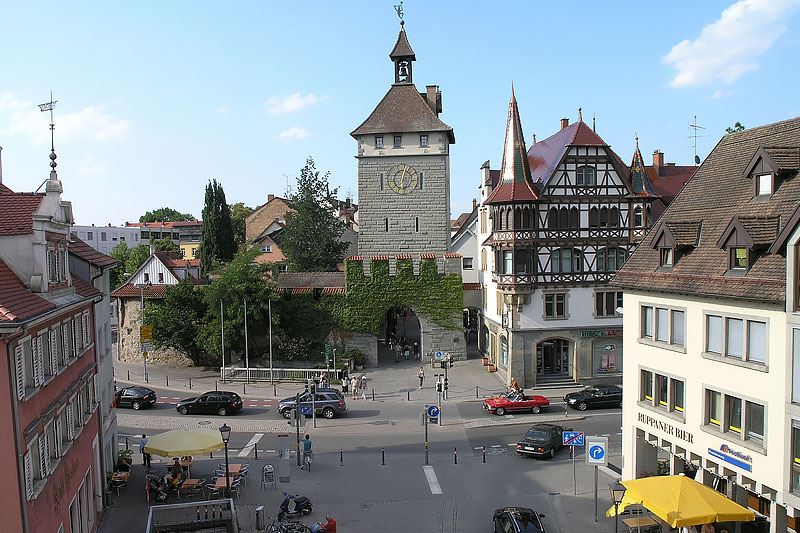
50 444
85 328
28 465
65 346
73 337
40 359
31 367
70 421
42 456
53 346
95 395
19 358
60 433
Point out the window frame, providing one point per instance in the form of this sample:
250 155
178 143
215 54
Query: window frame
666 257
379 142
602 296
725 355
397 141
467 263
656 339
423 140
553 300
759 178
735 427
581 177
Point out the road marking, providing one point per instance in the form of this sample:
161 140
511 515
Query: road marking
250 445
512 443
497 445
433 483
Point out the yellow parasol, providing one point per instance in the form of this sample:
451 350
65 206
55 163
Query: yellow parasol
681 501
181 442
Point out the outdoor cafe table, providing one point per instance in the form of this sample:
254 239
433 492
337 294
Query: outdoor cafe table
184 462
638 522
220 484
234 468
120 476
188 484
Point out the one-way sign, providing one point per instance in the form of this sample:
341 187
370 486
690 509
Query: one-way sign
573 438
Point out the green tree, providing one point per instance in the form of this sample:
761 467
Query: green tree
217 244
136 258
240 279
179 318
166 245
239 212
736 127
312 240
121 253
165 214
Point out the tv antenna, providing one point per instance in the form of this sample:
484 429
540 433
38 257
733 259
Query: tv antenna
695 127
288 187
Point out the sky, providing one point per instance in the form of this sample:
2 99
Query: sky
157 98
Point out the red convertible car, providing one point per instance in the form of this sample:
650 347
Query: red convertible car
516 401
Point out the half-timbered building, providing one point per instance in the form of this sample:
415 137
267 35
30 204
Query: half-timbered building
555 224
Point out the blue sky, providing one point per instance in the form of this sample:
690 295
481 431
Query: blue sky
156 98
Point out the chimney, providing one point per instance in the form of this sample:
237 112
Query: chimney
474 204
434 98
270 197
564 123
658 160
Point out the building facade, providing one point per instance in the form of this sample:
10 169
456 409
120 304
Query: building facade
187 235
554 225
51 445
105 238
712 328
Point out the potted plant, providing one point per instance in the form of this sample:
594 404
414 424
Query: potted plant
359 359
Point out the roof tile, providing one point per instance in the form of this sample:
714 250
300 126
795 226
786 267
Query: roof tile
17 302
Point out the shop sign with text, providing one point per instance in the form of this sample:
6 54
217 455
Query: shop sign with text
666 427
734 457
601 333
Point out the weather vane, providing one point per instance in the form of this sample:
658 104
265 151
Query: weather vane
399 9
49 106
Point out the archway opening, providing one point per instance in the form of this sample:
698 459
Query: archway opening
400 337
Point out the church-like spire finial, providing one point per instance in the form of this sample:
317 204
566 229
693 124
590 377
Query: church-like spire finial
402 55
399 9
49 106
580 115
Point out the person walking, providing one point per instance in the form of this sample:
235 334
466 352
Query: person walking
354 387
145 455
397 349
364 387
421 376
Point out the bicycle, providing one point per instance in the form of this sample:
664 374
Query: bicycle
290 526
308 458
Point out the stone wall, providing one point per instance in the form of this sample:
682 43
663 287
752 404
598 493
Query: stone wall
365 342
128 340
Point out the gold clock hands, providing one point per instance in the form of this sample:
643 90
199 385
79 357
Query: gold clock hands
403 178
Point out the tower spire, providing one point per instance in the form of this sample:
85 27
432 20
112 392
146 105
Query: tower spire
515 167
49 106
402 55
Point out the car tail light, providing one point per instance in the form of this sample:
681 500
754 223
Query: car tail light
539 449
519 446
341 403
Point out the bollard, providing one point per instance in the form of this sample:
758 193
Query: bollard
215 385
484 455
373 395
476 391
341 457
129 375
408 394
383 456
255 449
190 383
274 390
167 380
244 389
146 379
126 444
455 456
566 413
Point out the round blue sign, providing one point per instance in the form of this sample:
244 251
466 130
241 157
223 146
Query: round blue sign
433 411
597 452
438 355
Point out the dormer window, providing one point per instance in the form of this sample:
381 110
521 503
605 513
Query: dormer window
667 256
738 258
585 176
764 185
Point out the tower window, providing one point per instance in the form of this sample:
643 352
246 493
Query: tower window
398 141
420 180
386 225
423 140
416 224
379 141
381 181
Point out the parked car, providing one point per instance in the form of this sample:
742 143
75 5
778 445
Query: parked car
328 403
542 440
135 397
516 520
221 403
515 402
595 396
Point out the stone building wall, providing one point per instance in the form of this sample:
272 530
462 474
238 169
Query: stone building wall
128 340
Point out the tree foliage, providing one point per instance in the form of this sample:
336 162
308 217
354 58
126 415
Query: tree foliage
138 255
121 253
217 244
179 318
166 245
165 214
313 232
239 212
736 128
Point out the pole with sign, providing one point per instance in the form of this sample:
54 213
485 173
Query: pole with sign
596 455
572 439
146 344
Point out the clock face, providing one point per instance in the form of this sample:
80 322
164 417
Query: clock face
403 179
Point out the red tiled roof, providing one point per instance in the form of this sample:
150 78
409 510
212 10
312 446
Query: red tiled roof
83 288
5 190
404 256
452 255
427 256
355 258
671 179
333 290
130 291
300 290
16 301
90 255
471 286
16 211
545 155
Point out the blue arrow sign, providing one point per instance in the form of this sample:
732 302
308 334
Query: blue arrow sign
597 452
305 410
573 438
433 411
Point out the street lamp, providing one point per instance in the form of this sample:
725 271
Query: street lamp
225 431
617 493
141 287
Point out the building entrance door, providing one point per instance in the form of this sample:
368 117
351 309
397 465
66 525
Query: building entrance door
552 357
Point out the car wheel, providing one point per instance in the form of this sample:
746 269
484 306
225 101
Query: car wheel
500 411
328 413
552 453
183 410
536 410
582 406
136 405
286 413
222 411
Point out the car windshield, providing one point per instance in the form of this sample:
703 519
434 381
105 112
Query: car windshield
537 434
527 521
590 390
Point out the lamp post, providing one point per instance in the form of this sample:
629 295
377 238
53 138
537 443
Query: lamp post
225 431
141 287
617 492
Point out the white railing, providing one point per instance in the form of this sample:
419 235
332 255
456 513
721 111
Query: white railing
277 374
195 516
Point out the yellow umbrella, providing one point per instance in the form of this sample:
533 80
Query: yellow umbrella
681 501
181 442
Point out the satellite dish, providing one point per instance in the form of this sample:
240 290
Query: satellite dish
696 159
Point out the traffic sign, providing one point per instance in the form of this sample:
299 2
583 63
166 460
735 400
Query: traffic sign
597 451
433 411
573 438
438 355
145 334
146 346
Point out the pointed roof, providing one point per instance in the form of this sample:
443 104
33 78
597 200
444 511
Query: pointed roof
515 182
639 179
17 302
403 110
401 47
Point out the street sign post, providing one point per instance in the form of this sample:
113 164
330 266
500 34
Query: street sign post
596 454
572 439
433 414
145 342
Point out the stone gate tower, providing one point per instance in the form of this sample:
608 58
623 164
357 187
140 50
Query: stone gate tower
404 168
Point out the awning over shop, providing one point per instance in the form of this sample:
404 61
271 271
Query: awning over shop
681 501
181 442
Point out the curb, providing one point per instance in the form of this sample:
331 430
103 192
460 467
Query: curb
510 420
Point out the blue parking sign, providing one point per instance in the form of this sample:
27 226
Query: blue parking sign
573 438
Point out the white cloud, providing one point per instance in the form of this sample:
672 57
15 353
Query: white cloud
293 134
278 105
719 93
728 47
93 122
89 166
223 110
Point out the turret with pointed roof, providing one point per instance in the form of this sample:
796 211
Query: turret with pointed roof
639 180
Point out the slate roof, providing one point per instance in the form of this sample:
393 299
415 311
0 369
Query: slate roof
87 253
785 158
402 48
317 280
685 233
16 211
640 181
18 303
403 110
716 193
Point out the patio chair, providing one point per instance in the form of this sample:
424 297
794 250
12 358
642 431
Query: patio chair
214 492
199 489
243 475
235 487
